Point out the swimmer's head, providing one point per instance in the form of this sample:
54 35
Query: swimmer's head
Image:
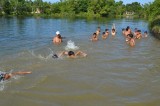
71 53
94 34
113 30
106 29
127 29
146 32
59 36
103 33
138 30
130 35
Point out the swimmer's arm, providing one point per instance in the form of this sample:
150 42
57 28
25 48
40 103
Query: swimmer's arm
81 53
62 53
21 73
9 75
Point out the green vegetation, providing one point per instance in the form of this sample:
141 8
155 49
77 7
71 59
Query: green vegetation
65 8
153 12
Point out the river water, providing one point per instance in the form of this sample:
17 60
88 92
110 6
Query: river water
113 73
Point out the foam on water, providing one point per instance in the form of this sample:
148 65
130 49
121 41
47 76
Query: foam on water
40 56
71 46
43 57
2 85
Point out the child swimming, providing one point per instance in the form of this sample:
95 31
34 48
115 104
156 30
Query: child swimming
5 76
70 54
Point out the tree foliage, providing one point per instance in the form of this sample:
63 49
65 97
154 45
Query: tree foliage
153 12
104 8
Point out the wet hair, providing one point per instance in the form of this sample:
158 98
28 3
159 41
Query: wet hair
59 36
106 29
94 34
70 53
130 35
138 30
128 27
123 29
103 33
145 32
113 29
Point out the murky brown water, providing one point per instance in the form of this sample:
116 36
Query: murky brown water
113 74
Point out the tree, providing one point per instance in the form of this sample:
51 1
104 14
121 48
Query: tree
7 7
120 8
46 8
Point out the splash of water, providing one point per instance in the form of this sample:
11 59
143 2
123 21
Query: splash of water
1 86
71 46
42 57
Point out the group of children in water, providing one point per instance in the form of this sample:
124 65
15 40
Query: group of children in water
127 32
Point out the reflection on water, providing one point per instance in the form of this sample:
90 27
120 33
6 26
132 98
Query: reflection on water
112 73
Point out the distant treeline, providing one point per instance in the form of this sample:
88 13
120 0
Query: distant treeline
83 8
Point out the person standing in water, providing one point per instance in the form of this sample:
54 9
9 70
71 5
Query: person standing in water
98 31
105 34
113 31
131 40
57 39
145 34
127 31
5 76
94 37
138 35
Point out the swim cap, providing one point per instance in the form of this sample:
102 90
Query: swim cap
57 33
